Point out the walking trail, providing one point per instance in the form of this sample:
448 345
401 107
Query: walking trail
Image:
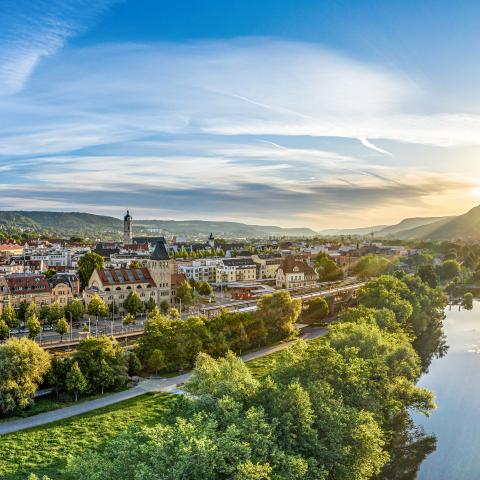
153 385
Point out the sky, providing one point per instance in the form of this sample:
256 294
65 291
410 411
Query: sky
321 114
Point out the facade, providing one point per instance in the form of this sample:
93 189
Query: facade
65 287
128 228
294 273
20 288
267 266
236 270
203 270
152 280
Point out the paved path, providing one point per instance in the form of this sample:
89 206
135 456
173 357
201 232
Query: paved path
166 385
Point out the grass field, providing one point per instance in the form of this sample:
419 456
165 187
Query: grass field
44 450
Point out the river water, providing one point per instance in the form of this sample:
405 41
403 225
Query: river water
455 380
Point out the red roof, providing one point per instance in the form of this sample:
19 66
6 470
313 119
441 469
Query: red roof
177 279
290 265
22 284
122 276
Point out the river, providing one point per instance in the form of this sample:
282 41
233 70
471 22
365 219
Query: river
455 380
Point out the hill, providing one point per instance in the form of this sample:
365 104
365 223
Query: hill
463 227
87 224
333 232
410 223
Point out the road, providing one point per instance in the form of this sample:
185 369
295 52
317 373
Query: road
153 385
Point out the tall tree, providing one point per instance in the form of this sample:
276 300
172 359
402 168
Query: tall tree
133 304
76 382
9 316
185 294
76 309
97 307
4 331
87 264
62 328
23 365
33 325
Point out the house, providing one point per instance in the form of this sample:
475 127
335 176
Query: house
202 270
21 287
294 273
236 270
65 287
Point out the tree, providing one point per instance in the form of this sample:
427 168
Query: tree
327 268
150 304
55 313
97 307
204 288
173 313
449 269
9 317
428 275
89 355
33 325
62 328
185 294
87 264
317 309
164 307
76 309
4 331
468 301
21 311
23 365
129 319
76 382
134 264
49 273
105 376
134 365
133 304
156 361
371 266
279 312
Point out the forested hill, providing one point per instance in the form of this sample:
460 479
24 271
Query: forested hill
87 224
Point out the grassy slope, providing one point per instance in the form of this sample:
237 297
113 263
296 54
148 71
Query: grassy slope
44 450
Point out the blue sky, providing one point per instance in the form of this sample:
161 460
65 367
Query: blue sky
298 113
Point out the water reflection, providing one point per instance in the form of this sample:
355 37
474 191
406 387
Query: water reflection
409 448
445 445
410 445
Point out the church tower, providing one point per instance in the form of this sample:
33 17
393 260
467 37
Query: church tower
127 228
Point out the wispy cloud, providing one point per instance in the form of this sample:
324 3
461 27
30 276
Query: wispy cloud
30 31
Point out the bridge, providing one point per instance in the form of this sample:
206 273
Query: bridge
336 297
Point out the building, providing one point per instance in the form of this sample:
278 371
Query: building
267 265
294 273
65 287
18 288
176 280
128 228
151 281
236 270
203 270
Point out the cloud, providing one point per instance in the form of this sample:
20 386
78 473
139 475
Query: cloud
30 31
263 128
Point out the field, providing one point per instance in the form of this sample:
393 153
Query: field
45 450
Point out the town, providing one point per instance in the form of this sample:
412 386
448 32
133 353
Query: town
131 277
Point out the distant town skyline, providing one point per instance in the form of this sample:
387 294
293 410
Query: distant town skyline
290 113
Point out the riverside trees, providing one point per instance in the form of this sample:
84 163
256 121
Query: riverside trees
324 411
